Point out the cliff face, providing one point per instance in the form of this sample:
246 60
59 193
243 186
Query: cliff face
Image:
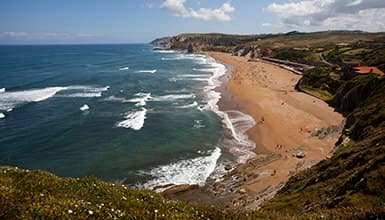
160 41
212 42
353 177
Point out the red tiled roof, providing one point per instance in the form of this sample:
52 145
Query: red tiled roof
368 69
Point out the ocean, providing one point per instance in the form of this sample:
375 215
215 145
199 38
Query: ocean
122 113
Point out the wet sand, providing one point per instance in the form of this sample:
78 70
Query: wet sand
287 122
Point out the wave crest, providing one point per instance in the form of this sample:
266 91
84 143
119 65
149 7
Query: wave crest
134 120
192 171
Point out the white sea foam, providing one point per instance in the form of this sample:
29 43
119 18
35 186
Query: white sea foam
204 69
9 100
173 97
237 123
85 107
164 51
89 88
2 115
2 90
84 91
117 99
123 68
197 58
142 99
134 120
192 171
194 104
200 79
147 71
194 75
82 95
173 79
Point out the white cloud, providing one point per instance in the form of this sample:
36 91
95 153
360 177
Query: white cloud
44 36
179 9
332 14
13 34
266 24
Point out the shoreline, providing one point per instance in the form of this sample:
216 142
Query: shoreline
285 133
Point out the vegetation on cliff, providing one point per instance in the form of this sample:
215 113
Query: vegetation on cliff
352 179
258 44
40 195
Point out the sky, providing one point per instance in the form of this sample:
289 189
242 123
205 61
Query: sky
140 21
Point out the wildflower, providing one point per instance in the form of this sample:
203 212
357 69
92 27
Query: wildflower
90 212
41 194
70 211
156 210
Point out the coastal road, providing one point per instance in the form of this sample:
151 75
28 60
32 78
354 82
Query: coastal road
324 60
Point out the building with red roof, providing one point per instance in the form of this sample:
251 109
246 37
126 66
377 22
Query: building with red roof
368 70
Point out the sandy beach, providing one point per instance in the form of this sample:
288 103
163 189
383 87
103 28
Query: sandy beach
293 130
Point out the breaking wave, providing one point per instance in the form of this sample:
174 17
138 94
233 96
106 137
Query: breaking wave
147 71
194 104
10 100
123 68
173 97
192 171
134 120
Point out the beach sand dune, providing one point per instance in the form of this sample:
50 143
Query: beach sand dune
287 122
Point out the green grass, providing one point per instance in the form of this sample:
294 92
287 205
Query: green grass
319 93
38 194
355 52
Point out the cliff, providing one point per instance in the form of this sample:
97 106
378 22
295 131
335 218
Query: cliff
278 46
351 180
209 42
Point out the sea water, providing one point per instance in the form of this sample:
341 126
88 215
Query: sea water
122 113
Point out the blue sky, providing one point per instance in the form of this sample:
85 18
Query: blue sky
135 21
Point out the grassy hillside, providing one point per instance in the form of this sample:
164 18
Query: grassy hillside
38 194
317 39
227 43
